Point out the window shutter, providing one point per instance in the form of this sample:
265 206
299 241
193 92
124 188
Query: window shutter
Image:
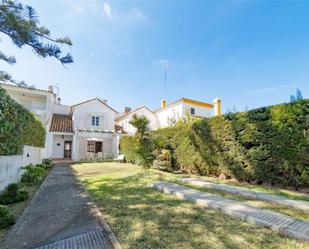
89 120
102 122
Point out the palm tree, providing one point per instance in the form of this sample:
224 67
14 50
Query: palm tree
145 142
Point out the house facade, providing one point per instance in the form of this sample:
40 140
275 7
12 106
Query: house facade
82 131
169 114
123 119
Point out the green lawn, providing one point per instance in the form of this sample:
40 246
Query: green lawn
261 188
294 212
143 217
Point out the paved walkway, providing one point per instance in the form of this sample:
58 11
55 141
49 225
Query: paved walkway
283 224
60 212
304 205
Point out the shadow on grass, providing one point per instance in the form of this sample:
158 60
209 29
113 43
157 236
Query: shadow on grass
143 217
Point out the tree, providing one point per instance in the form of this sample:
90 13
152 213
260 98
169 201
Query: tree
20 22
146 144
297 97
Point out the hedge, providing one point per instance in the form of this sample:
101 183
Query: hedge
266 145
18 127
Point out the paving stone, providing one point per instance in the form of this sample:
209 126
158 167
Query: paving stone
303 205
283 224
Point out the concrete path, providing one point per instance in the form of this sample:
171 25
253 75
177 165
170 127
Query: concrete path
282 223
303 205
60 210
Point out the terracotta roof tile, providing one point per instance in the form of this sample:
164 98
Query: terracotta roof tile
61 123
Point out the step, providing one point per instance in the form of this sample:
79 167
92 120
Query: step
283 224
303 205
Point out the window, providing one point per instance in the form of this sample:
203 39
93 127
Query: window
95 121
93 146
192 111
90 146
98 147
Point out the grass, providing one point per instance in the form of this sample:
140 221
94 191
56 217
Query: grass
18 207
294 212
143 217
294 195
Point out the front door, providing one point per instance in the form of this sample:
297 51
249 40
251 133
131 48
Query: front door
67 149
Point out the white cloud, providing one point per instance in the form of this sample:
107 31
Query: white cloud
107 10
272 89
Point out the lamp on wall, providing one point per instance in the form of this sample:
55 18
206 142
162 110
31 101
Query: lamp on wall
62 136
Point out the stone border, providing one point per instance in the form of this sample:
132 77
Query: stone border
251 194
97 213
283 224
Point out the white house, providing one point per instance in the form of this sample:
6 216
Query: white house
123 119
168 114
82 131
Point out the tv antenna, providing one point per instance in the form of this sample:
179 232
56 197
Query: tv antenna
165 66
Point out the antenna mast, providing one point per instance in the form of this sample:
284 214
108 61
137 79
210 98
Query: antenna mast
165 65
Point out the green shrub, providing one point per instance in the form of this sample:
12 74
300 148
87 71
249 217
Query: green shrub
47 162
266 145
33 174
18 127
13 193
6 217
128 147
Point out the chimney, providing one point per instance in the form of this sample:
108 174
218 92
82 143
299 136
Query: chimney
127 109
50 89
217 106
163 103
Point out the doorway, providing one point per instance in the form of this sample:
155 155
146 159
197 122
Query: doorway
67 149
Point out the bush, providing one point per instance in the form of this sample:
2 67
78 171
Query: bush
47 162
267 145
33 174
6 217
18 127
13 193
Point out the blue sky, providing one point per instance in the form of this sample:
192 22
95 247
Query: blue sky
248 53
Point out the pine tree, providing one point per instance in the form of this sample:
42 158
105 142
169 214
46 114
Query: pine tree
21 23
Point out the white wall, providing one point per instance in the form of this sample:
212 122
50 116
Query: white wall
11 166
130 129
200 111
83 113
110 144
58 150
62 109
174 111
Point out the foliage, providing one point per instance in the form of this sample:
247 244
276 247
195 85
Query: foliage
33 174
268 145
18 127
13 193
47 162
6 217
145 144
297 97
21 23
128 146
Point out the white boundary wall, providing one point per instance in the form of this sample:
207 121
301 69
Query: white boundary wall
11 166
